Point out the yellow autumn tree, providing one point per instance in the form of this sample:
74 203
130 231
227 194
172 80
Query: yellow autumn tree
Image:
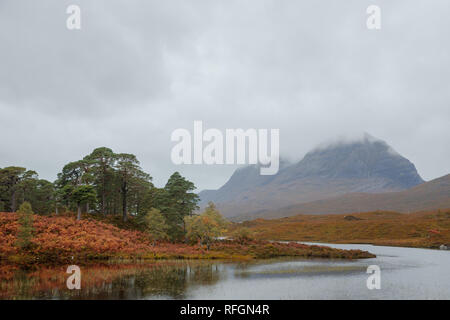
206 227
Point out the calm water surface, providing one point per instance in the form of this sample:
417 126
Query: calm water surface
406 273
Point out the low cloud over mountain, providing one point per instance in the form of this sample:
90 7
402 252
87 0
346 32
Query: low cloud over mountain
367 165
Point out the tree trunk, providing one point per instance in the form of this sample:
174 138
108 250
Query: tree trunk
103 201
56 209
13 201
184 232
137 205
103 189
79 212
87 207
124 208
124 202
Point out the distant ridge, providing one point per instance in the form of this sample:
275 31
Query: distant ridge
368 165
428 196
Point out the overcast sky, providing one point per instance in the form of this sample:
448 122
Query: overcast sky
137 70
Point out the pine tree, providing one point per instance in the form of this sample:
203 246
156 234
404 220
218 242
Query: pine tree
179 202
155 225
83 195
25 232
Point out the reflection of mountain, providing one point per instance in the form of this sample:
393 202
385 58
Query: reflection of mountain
368 165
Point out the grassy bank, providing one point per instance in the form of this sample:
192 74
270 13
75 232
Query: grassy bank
62 240
421 229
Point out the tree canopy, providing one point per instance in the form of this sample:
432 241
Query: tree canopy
103 182
18 185
207 226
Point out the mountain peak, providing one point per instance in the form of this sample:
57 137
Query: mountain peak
366 164
365 139
368 157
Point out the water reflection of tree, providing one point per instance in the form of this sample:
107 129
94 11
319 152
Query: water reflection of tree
146 280
175 281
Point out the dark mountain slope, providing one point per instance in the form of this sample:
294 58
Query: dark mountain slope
368 165
428 196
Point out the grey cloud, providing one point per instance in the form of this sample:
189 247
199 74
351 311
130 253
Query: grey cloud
140 69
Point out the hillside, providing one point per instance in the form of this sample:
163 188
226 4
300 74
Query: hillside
421 229
368 165
428 196
61 240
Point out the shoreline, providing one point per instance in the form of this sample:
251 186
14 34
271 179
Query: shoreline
318 242
225 251
62 240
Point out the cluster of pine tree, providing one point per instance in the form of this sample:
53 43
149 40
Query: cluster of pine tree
102 182
18 185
